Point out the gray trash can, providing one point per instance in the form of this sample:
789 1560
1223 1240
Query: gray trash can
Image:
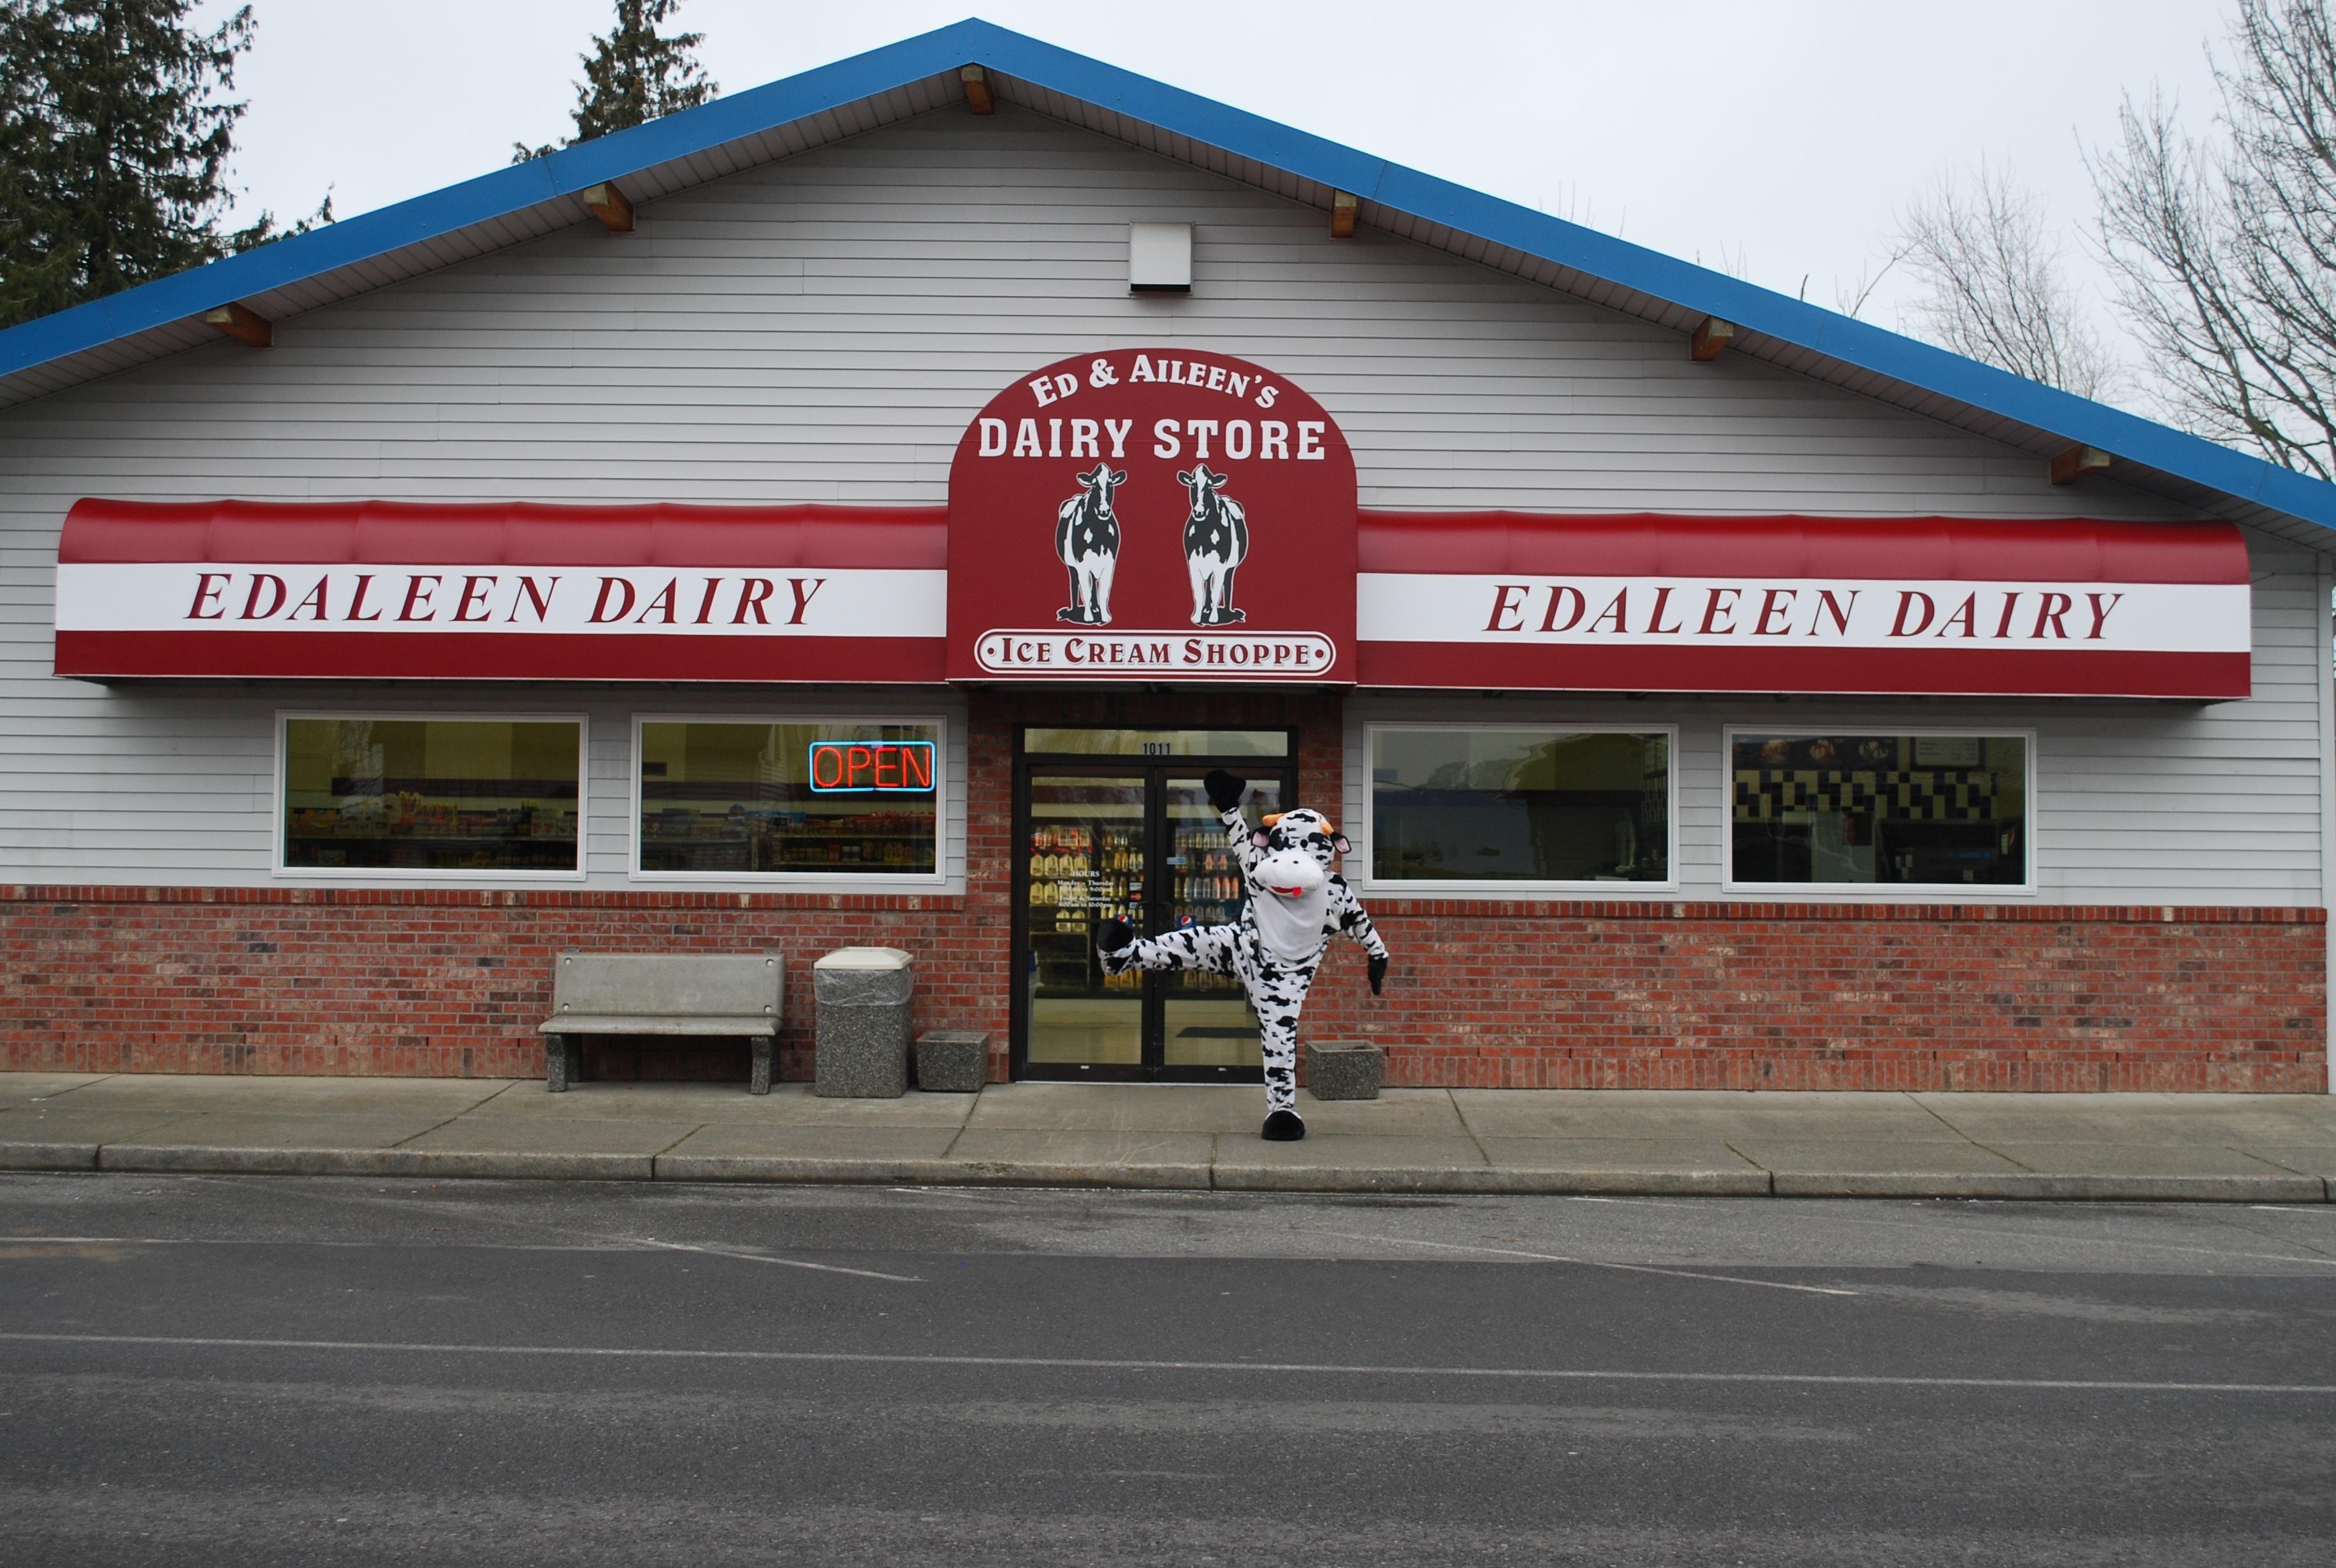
862 996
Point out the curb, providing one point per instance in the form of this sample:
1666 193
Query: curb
2268 1188
1493 1179
48 1156
827 1171
524 1164
541 1166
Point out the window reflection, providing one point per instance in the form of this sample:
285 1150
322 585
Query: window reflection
431 794
1879 808
1520 805
739 798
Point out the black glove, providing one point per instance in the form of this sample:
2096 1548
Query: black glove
1225 791
1378 973
1114 935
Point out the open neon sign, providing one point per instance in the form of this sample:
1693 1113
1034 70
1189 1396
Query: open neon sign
871 767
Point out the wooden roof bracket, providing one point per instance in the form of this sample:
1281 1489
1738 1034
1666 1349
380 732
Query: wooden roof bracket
243 324
977 89
2077 463
1711 336
1343 206
608 204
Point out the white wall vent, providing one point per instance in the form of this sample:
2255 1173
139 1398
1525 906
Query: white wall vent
1159 258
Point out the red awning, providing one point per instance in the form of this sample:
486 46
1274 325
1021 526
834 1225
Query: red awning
2058 607
513 591
1500 600
517 533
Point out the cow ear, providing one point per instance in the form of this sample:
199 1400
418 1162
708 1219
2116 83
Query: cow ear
1120 478
1259 837
1184 477
1343 846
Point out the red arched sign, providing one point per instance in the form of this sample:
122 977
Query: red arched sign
1153 514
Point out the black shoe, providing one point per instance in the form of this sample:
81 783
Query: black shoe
1283 1127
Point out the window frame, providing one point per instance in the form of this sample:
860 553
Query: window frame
280 815
830 881
1448 887
1872 892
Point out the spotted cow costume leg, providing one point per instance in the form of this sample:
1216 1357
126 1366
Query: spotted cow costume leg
1276 989
1295 905
1210 948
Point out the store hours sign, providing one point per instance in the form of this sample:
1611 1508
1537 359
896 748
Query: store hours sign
1153 514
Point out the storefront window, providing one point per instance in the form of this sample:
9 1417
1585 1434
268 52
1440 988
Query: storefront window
818 798
431 794
1520 805
1879 809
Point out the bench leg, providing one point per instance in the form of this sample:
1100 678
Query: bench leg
760 1084
559 1066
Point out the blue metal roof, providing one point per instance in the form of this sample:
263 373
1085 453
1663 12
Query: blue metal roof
829 88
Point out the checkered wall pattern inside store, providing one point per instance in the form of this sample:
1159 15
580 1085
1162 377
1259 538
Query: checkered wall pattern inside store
1916 795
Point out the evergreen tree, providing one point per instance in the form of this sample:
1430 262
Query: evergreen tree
634 74
114 142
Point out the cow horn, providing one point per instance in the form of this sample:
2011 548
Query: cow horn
1269 819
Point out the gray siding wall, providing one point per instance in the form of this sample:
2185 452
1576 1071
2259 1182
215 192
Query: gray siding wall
2135 803
822 328
177 784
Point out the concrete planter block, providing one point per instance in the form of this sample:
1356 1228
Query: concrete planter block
953 1061
864 996
1344 1070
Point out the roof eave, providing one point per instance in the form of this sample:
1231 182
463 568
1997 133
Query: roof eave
559 176
168 305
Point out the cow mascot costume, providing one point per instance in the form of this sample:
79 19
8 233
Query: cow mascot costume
1296 904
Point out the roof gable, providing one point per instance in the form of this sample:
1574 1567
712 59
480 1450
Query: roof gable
525 201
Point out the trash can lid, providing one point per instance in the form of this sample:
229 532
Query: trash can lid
865 958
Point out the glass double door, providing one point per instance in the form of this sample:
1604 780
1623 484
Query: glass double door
1141 843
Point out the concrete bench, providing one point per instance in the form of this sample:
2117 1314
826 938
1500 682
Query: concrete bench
670 994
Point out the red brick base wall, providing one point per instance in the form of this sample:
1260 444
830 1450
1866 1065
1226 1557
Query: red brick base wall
417 983
1842 997
1525 996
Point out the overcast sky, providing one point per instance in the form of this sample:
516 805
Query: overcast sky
1771 137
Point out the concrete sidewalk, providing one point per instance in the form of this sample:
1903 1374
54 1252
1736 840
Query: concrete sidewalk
2237 1147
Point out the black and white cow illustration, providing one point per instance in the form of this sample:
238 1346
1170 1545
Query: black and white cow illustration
1216 541
1296 904
1086 539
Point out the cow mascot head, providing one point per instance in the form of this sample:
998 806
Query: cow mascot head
1289 881
1296 903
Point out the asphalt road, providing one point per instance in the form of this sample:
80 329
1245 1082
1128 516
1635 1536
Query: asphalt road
259 1371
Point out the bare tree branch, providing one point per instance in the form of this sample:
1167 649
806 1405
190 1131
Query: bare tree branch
2224 250
1849 299
1995 286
